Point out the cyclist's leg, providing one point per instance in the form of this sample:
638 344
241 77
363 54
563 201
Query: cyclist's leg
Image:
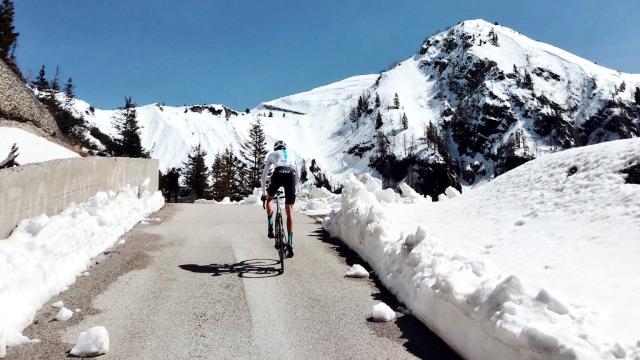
289 210
290 199
271 191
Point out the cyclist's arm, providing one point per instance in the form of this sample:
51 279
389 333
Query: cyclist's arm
265 172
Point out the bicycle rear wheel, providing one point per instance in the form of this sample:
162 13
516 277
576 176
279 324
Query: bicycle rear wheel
280 239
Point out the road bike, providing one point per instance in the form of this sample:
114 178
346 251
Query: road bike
278 230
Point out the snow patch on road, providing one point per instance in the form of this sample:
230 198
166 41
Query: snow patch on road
357 271
45 254
92 342
382 312
64 314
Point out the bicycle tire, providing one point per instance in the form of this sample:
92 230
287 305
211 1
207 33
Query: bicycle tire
280 239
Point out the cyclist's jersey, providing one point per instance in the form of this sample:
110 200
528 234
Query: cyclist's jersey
278 159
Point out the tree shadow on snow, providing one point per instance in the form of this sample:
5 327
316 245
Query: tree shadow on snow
252 268
418 339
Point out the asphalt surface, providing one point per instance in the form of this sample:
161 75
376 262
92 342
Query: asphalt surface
202 282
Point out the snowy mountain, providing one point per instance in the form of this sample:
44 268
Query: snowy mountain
494 97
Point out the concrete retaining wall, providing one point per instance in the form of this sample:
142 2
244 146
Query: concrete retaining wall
48 187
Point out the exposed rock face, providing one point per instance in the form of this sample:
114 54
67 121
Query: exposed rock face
19 104
507 99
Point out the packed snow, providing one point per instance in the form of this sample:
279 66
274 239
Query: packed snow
357 271
538 263
92 342
32 148
44 255
382 312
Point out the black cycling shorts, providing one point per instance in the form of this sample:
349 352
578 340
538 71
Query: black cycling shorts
285 177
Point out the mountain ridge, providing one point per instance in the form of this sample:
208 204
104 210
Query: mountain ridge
478 99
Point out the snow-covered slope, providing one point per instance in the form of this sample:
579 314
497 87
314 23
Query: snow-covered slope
496 99
543 264
32 148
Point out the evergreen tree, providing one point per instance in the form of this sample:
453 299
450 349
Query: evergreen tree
528 81
378 121
637 95
69 92
253 153
354 117
227 179
405 121
493 38
270 114
247 110
128 139
384 145
40 82
195 173
8 36
377 100
54 84
396 101
304 176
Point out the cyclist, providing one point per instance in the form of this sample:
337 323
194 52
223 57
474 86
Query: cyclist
285 174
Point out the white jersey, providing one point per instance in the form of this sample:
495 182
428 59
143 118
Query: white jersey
278 158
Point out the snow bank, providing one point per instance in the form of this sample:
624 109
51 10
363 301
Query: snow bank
43 255
92 342
537 264
32 148
314 201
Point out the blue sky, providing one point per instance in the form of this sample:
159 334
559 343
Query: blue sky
241 53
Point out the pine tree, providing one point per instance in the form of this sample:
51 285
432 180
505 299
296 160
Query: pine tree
637 95
54 84
253 153
384 144
227 176
528 81
353 115
405 121
377 100
128 139
270 114
304 176
195 173
40 82
493 38
396 101
378 121
69 92
8 36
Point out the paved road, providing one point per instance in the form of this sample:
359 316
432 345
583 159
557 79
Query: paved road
201 283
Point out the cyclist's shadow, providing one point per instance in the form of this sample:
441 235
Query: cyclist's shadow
252 268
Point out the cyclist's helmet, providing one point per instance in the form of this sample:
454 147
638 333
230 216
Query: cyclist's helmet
279 145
